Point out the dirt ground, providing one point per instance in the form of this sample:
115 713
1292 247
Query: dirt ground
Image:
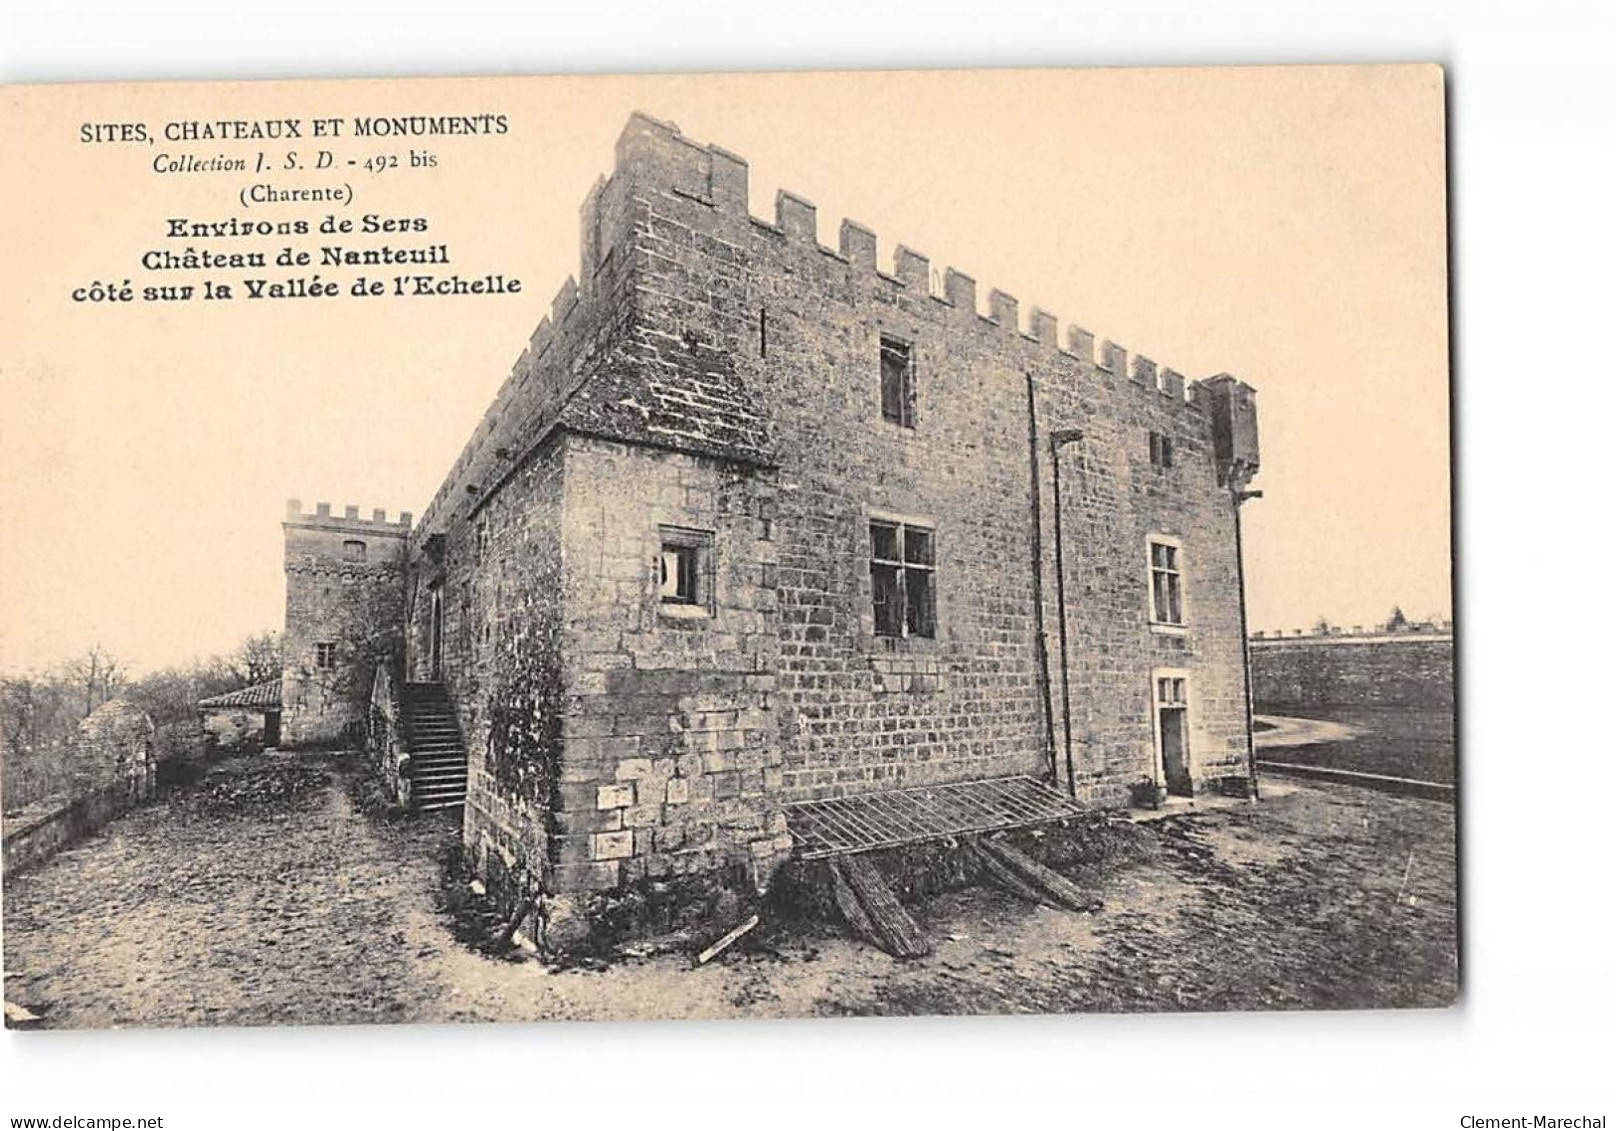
264 896
1409 742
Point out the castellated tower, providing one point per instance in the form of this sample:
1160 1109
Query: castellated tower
344 616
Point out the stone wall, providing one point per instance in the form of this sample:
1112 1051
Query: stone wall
115 770
385 740
350 599
490 547
1379 670
502 629
671 759
801 325
37 832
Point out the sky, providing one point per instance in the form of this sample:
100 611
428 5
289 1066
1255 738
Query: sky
1286 225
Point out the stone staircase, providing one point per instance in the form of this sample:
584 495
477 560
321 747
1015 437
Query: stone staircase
437 754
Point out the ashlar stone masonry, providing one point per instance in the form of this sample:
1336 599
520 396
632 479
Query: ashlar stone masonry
755 521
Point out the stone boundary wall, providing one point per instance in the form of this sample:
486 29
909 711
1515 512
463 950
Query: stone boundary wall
1383 670
42 829
384 735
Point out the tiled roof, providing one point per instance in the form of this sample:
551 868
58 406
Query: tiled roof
263 696
686 398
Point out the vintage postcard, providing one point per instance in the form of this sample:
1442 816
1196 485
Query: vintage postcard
726 546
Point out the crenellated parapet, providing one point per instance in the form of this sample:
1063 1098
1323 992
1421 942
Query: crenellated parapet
346 546
654 157
706 173
350 520
539 381
543 376
719 178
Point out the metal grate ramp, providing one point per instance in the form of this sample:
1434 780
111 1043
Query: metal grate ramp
865 822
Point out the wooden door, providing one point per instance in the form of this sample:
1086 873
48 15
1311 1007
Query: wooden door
1172 734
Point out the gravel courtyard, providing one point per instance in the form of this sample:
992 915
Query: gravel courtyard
265 896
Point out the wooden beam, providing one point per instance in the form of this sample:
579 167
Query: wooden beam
891 926
1052 887
1006 877
724 943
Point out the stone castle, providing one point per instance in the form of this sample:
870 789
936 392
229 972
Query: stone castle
755 525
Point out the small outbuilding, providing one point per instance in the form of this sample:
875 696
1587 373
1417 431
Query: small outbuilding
248 718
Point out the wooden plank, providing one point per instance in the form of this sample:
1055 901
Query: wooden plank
895 931
20 1017
1050 884
724 943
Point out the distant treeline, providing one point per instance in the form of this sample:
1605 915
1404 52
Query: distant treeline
40 711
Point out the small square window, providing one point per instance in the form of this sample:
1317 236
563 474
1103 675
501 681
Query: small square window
353 550
325 656
678 574
684 569
897 382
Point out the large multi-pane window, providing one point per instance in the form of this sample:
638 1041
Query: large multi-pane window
903 568
325 656
1166 584
897 382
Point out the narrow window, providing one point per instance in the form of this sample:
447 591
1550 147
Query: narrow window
684 569
763 331
353 550
897 382
886 579
903 565
1161 449
1166 584
325 656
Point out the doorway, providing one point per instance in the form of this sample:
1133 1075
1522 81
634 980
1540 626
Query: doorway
435 647
272 728
1172 733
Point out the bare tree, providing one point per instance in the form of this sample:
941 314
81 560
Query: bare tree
35 712
98 676
258 658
